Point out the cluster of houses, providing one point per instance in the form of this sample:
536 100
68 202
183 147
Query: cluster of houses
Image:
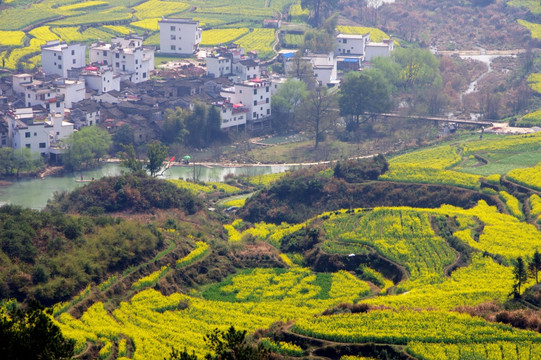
115 88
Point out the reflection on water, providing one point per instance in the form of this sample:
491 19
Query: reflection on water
34 193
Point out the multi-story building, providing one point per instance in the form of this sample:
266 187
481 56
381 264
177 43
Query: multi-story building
128 57
54 95
351 44
255 94
179 36
232 63
100 78
58 57
233 115
375 49
36 132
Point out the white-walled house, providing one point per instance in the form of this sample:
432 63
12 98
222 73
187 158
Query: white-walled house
247 69
38 134
101 79
351 44
374 49
19 82
233 115
179 36
219 65
58 57
55 95
126 55
255 94
324 66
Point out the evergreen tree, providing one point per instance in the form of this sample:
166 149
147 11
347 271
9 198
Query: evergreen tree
534 266
520 275
156 153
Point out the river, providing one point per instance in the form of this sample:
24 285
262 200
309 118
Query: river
34 193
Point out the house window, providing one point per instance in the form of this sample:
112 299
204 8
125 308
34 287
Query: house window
73 61
136 61
72 53
104 53
58 133
42 145
240 91
117 64
117 56
267 88
255 102
345 41
267 100
104 88
255 91
144 75
254 114
173 47
173 28
59 57
35 134
27 134
27 146
59 66
268 111
104 62
173 37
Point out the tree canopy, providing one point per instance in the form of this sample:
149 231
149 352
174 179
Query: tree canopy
31 334
319 9
286 102
156 154
361 93
86 147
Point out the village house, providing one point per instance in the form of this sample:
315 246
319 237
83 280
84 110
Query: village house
58 57
179 36
39 132
232 62
85 113
100 78
126 55
255 94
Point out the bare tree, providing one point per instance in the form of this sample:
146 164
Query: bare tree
317 110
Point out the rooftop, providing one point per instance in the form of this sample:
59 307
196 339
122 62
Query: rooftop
178 21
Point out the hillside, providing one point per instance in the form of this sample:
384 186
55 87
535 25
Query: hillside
335 281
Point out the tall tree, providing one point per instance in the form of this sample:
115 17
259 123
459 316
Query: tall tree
534 266
174 128
128 159
301 69
520 275
86 147
123 136
156 154
26 160
319 9
286 103
214 123
361 93
322 39
317 110
196 124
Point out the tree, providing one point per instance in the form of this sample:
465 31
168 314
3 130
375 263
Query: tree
156 153
214 123
321 40
86 147
319 9
30 334
520 276
232 345
301 69
196 125
286 103
26 160
361 93
123 136
317 109
128 159
6 160
174 129
534 267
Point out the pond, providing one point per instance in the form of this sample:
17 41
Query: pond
34 193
